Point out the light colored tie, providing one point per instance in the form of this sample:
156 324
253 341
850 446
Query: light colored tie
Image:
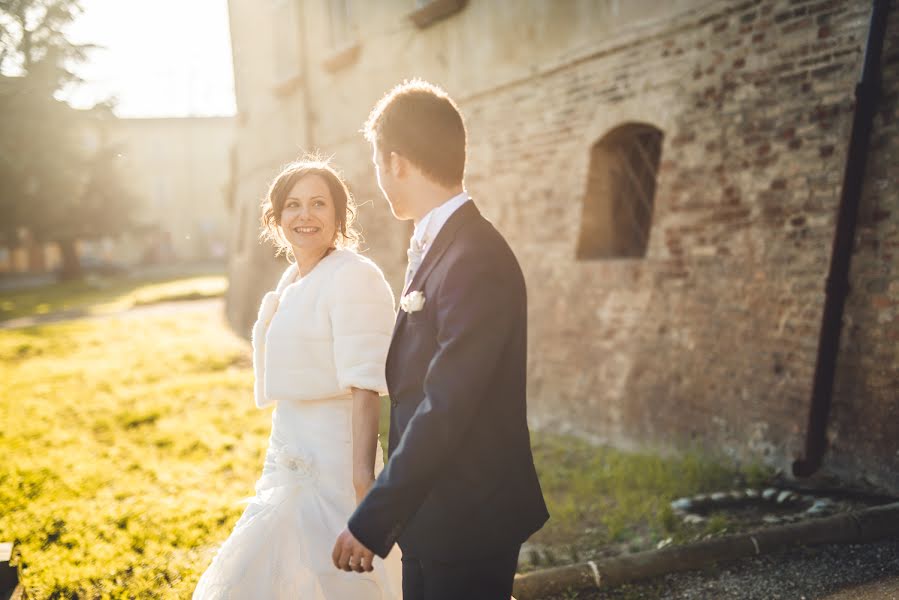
415 253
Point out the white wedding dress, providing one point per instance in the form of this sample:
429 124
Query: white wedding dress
281 546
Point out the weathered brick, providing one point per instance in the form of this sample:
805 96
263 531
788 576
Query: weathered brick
712 338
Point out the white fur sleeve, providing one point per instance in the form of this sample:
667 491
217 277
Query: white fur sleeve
267 309
362 318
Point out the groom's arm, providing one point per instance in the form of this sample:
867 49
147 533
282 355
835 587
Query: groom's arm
477 307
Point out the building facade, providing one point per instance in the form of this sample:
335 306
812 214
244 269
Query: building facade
178 169
177 172
668 175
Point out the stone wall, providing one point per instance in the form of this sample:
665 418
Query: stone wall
710 339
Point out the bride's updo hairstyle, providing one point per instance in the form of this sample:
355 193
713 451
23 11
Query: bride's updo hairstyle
344 205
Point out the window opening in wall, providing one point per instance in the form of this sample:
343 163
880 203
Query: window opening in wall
620 192
340 14
345 44
285 41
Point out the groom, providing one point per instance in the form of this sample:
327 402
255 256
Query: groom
460 493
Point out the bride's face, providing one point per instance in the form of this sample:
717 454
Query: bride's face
308 220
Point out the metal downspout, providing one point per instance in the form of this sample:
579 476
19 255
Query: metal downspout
867 94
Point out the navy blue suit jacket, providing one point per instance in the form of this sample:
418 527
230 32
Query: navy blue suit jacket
460 481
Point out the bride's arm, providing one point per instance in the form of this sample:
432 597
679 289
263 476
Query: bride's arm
362 318
366 413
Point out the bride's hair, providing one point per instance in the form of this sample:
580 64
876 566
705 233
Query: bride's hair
344 204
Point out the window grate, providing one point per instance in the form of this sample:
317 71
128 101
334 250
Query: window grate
619 199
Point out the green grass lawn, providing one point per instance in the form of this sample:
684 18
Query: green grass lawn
129 443
127 447
103 295
605 502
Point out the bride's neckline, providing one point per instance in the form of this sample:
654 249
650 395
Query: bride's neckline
296 270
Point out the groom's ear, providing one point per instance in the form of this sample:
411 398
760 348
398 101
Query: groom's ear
399 165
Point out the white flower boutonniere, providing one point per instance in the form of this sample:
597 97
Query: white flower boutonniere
412 302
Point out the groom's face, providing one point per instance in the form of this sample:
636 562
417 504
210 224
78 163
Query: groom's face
389 183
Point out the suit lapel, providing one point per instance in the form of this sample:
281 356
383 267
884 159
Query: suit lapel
443 240
465 213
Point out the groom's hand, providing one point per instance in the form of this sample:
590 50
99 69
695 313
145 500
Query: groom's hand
350 555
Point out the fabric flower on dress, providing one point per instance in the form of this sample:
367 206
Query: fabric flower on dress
287 469
299 462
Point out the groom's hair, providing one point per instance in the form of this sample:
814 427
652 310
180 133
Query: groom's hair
419 121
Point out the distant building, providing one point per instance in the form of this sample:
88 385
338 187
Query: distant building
179 170
668 174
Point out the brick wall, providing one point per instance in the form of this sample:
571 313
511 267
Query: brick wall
711 339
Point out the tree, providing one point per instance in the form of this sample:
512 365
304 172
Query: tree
59 177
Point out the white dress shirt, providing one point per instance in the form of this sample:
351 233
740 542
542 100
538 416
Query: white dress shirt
430 225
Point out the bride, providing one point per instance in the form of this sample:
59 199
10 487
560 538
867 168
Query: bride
319 348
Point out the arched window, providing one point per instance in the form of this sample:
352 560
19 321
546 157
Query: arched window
621 186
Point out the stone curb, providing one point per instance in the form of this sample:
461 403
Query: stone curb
862 526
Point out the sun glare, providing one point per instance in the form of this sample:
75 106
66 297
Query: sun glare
156 57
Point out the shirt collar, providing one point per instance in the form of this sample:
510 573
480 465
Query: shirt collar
431 224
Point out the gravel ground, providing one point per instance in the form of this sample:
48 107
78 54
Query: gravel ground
797 574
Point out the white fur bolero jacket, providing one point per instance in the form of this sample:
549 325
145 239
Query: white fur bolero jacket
317 337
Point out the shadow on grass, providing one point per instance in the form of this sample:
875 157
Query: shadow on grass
68 300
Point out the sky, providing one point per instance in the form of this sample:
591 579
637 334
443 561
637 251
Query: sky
160 58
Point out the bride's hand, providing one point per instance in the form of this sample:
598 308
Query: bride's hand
362 485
